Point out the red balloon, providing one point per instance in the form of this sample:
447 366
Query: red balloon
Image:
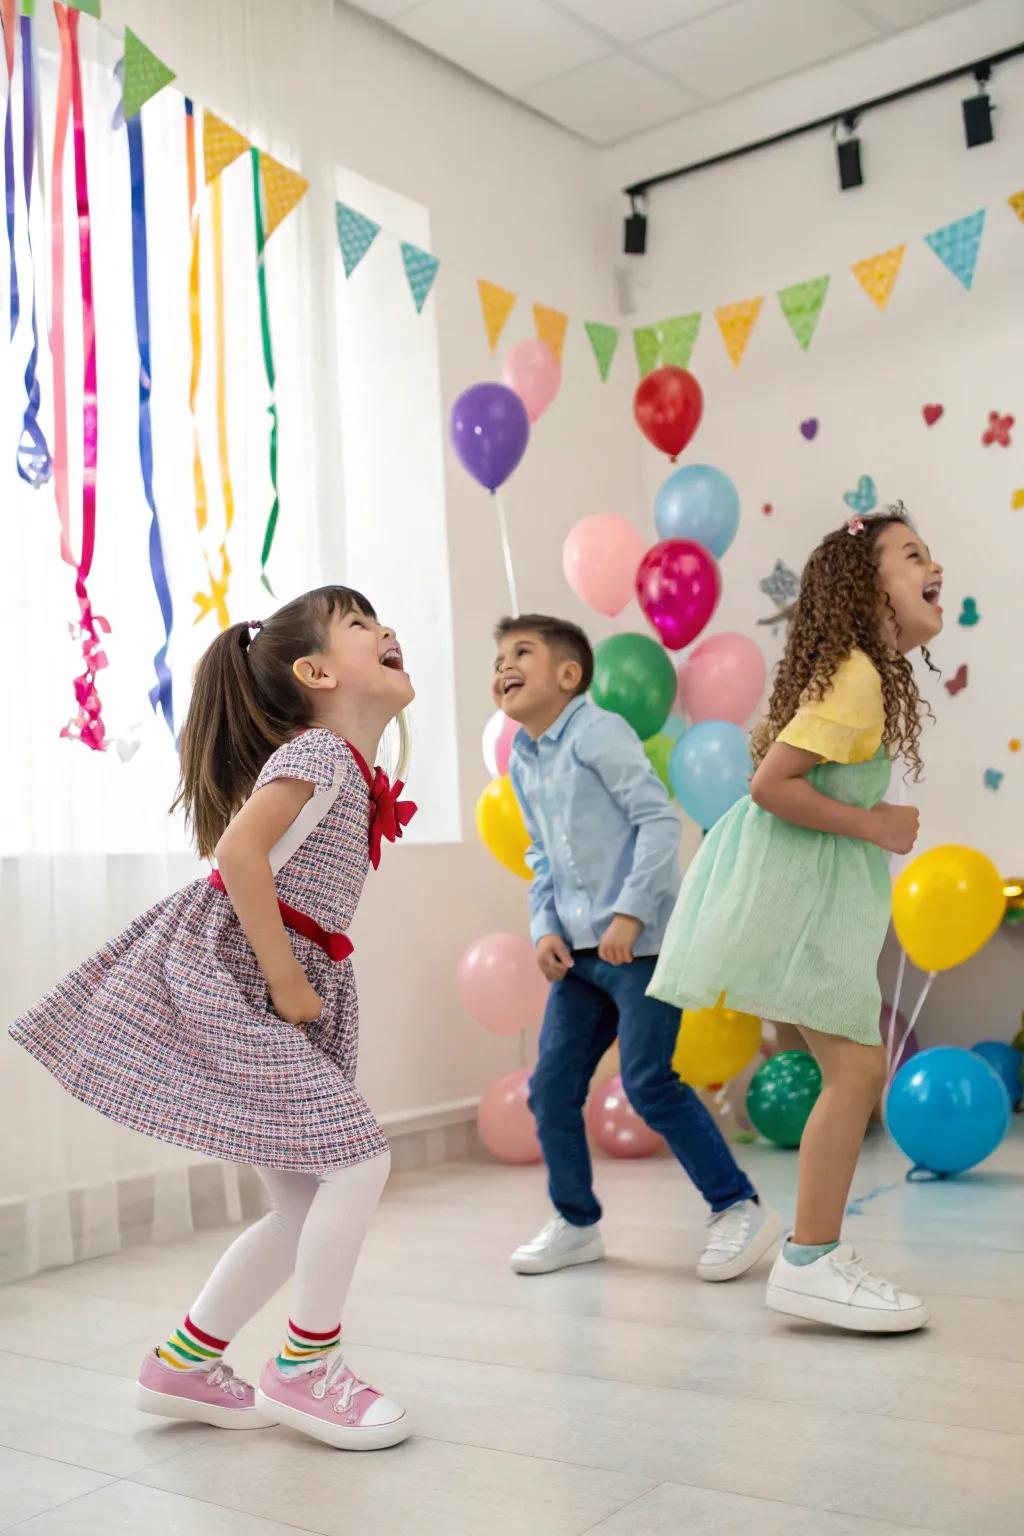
678 587
668 406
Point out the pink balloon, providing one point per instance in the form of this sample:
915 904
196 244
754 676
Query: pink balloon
496 743
500 983
615 1125
600 559
504 1120
722 679
678 586
535 373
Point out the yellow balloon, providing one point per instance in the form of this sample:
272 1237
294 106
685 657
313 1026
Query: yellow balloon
946 905
715 1044
500 824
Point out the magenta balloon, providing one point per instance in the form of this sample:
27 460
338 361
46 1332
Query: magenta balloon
500 983
535 373
504 1120
600 559
722 679
615 1125
678 586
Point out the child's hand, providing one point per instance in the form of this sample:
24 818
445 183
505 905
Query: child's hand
895 827
295 1001
621 934
553 957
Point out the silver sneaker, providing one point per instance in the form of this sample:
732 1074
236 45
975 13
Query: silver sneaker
737 1238
557 1246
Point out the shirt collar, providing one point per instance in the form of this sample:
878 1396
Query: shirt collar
555 730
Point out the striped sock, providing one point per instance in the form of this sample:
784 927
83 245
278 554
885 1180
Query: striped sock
190 1346
304 1348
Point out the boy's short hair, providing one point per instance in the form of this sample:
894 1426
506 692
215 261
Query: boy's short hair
559 634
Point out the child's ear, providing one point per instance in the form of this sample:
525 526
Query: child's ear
310 674
570 675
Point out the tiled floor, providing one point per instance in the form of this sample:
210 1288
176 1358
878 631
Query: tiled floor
624 1398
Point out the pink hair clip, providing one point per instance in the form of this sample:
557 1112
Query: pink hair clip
254 623
855 525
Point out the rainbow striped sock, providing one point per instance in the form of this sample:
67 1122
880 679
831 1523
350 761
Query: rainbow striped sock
304 1348
190 1347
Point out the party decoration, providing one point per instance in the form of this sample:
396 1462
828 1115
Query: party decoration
801 304
877 274
259 208
615 1125
947 904
809 428
1006 1062
736 323
1013 744
678 337
88 7
958 683
500 825
500 984
723 678
710 769
993 778
635 679
1016 202
767 509
534 372
998 430
678 587
658 750
1017 499
497 304
947 1110
674 727
34 462
551 326
700 503
222 146
715 1044
603 341
356 233
283 188
956 245
489 432
144 74
727 1103
782 1094
932 414
600 559
647 346
899 1044
969 614
864 498
420 271
504 1121
499 734
782 586
668 406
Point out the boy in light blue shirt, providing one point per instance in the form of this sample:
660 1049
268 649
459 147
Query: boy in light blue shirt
604 858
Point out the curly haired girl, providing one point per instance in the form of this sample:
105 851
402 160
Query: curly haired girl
786 906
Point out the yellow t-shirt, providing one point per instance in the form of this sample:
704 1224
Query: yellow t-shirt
846 725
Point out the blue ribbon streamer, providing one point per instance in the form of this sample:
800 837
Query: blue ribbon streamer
9 200
160 696
35 466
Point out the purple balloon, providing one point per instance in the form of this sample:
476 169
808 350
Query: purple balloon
490 430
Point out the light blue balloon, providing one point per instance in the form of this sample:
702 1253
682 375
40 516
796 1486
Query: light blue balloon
710 769
675 726
947 1109
698 502
1008 1062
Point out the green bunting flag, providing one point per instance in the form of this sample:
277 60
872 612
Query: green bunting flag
144 74
801 305
603 340
648 349
356 233
677 340
420 270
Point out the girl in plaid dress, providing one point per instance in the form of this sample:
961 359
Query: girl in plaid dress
225 1019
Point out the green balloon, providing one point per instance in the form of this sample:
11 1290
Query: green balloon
782 1093
634 678
659 750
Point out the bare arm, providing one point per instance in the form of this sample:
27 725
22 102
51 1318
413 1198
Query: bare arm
780 786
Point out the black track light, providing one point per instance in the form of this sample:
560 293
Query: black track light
978 112
634 241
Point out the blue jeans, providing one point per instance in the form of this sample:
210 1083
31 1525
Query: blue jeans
593 1003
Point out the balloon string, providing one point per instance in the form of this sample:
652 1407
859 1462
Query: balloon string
895 1013
913 1020
506 552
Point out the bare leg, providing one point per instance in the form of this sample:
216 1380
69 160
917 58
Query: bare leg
852 1078
789 1037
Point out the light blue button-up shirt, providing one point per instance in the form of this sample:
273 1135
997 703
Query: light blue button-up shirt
604 836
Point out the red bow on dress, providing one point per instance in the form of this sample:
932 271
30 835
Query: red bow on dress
388 813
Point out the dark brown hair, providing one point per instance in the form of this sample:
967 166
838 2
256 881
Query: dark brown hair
560 634
838 611
246 702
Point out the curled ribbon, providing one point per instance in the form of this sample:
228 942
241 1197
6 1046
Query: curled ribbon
7 15
389 814
35 465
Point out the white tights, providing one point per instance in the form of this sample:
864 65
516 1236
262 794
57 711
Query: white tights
316 1228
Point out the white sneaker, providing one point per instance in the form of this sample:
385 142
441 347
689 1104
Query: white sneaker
557 1246
737 1238
840 1289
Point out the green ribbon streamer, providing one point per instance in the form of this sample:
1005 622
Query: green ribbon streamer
268 363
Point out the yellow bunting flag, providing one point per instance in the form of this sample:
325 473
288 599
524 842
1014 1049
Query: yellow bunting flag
736 323
551 326
877 274
1016 202
497 304
222 145
282 189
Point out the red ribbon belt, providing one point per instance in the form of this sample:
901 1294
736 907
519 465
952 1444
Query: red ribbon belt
337 945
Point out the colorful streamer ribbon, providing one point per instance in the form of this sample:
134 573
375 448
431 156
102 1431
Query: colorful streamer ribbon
194 311
216 600
35 466
268 361
160 696
7 15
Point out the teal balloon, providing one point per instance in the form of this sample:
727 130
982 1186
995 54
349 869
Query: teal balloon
947 1109
634 678
710 769
674 727
782 1093
700 503
659 750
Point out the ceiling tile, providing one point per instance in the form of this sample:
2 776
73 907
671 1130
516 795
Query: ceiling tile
753 41
609 99
631 20
898 14
511 44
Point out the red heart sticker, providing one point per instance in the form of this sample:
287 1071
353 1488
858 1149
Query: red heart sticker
931 414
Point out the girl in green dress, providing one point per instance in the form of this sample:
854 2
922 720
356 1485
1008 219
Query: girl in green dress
786 905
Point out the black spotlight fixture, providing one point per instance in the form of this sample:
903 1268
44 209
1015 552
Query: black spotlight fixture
978 112
634 239
848 155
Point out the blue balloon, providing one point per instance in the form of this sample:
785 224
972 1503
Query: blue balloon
947 1110
1008 1062
700 503
710 769
675 726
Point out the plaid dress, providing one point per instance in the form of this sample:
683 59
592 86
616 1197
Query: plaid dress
169 1029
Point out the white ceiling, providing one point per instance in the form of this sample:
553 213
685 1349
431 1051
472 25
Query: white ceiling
606 69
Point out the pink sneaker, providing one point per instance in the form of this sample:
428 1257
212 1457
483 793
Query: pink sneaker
331 1404
206 1394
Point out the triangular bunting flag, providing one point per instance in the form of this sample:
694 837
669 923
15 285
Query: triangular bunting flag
736 323
801 305
144 74
282 189
677 339
497 304
1016 202
420 269
221 145
956 245
356 233
90 7
551 326
647 345
877 274
603 339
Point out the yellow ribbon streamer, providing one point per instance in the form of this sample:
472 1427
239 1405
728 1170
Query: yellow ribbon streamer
215 601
